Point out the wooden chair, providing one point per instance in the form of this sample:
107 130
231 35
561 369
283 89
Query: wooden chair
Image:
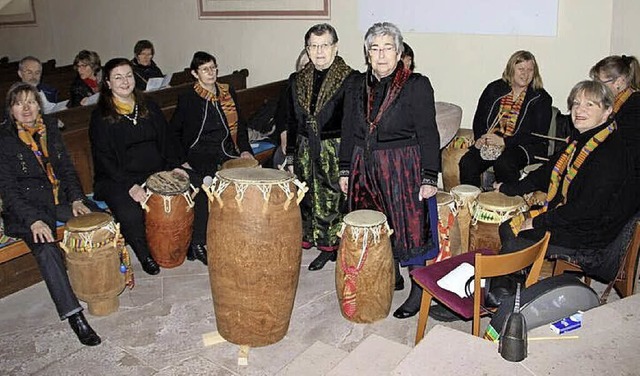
487 265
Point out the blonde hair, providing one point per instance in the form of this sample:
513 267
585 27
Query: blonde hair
517 58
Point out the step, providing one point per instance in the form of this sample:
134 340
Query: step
316 360
373 356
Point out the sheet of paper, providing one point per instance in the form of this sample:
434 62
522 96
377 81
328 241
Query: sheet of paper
59 107
92 99
157 83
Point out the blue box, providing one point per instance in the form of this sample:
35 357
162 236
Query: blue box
567 324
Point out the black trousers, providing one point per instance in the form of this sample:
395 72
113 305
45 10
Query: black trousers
202 165
506 168
511 243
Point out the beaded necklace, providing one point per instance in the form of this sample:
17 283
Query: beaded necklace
133 119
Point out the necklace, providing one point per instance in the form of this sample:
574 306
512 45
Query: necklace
133 119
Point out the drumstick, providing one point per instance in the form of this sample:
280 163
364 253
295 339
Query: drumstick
549 137
551 338
541 158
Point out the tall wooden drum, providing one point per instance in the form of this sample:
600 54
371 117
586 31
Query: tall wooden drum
364 272
451 156
94 247
465 197
254 236
448 229
168 217
492 208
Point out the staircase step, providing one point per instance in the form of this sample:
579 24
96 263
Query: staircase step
316 360
373 356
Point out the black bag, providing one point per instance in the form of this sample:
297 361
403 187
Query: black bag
499 288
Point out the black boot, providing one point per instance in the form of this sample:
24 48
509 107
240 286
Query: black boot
411 306
322 259
399 278
140 248
197 251
150 266
81 327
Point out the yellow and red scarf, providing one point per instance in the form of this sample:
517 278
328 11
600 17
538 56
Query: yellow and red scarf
621 98
508 114
226 102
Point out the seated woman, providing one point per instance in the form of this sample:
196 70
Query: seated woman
209 130
408 56
39 185
509 111
87 82
143 65
129 143
590 190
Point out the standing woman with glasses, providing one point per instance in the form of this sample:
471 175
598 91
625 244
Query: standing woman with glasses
87 82
389 157
313 131
128 143
209 130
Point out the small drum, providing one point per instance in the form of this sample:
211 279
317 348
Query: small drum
448 231
465 196
365 277
492 208
254 236
451 156
240 162
168 217
97 261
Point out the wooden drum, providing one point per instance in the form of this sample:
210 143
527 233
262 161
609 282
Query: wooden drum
240 162
253 236
96 261
451 156
492 208
448 230
168 217
465 197
364 273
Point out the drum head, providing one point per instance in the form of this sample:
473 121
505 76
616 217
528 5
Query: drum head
88 222
444 198
255 175
365 218
499 201
240 162
465 190
168 183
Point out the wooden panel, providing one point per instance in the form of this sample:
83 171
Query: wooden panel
19 273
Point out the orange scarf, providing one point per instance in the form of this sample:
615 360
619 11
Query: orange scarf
621 98
225 100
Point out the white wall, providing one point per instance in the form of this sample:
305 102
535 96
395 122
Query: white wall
625 31
459 66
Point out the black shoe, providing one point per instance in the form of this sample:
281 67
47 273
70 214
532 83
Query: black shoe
442 313
399 284
411 306
150 266
404 312
81 327
322 259
197 251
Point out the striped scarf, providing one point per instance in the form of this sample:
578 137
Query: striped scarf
508 114
40 150
621 98
225 100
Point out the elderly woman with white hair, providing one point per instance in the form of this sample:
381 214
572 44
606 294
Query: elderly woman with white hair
389 156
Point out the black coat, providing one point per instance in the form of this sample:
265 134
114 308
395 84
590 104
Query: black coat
144 73
78 91
535 116
24 186
628 120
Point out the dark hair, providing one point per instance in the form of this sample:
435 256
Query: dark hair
408 51
200 58
320 29
105 103
615 66
89 57
143 45
13 95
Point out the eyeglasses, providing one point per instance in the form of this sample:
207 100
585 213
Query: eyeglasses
385 50
210 70
121 78
81 65
607 81
318 47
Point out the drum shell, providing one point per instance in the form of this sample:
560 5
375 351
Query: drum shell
254 262
484 235
96 278
374 282
168 234
451 158
455 238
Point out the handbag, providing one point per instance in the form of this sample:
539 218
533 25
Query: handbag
497 289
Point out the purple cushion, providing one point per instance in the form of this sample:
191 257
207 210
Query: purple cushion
428 277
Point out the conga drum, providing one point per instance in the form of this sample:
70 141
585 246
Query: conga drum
97 261
364 272
451 156
168 217
465 197
253 238
240 162
491 209
448 230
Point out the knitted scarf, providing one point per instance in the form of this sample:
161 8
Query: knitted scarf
621 98
508 114
225 100
40 150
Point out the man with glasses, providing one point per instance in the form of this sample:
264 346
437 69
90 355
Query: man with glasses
30 71
313 131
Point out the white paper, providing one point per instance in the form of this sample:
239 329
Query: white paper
92 99
157 83
58 107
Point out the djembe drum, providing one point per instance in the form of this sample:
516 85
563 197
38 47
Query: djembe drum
240 162
448 230
451 156
465 197
364 272
168 217
492 208
253 238
97 261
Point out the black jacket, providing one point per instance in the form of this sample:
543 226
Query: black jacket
144 73
78 91
535 116
628 120
24 186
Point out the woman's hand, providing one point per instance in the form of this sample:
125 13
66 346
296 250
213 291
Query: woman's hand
344 184
137 193
186 165
180 171
79 208
496 186
527 224
83 101
246 155
41 232
481 141
494 139
427 191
